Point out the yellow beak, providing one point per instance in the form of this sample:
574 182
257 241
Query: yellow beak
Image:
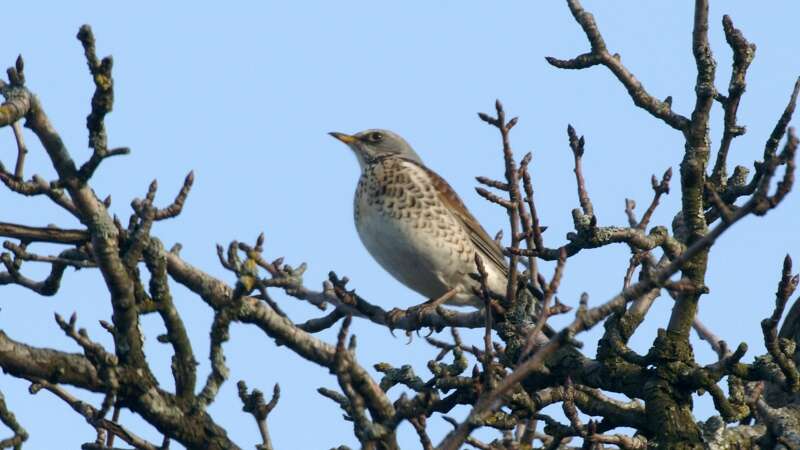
346 138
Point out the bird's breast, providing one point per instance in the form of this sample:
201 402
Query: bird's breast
408 229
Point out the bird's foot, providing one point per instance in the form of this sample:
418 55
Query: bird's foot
413 318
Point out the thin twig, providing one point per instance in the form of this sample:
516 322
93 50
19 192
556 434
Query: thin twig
514 196
253 403
550 291
488 355
659 188
22 150
599 54
533 236
9 420
577 146
743 54
786 287
90 414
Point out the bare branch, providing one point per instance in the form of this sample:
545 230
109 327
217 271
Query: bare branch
217 295
659 189
577 144
322 323
47 234
25 361
183 363
47 287
102 104
93 351
777 350
176 206
717 344
602 236
783 123
550 290
254 404
22 150
219 371
419 424
743 54
9 420
17 98
90 414
514 196
488 354
530 223
600 55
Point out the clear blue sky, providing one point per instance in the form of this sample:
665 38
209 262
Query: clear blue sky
245 94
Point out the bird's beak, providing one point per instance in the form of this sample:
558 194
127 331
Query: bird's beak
346 138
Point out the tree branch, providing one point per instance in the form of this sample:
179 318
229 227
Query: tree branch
600 55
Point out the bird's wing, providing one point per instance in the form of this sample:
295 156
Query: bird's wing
480 238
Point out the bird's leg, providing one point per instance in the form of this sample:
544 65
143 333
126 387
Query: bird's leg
413 316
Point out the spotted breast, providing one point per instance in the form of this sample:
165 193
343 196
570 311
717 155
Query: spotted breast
404 214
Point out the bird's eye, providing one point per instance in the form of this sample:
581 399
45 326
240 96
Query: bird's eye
376 136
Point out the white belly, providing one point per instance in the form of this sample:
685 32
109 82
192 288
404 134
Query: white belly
415 251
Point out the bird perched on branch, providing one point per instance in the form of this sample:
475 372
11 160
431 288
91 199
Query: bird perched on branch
414 224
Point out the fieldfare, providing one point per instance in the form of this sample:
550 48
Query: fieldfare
414 224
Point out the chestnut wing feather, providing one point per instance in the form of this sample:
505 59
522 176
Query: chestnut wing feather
479 237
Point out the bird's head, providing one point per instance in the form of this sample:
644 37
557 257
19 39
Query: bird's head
370 145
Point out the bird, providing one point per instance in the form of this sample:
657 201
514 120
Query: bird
415 225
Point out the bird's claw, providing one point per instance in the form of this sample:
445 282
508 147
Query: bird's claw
414 315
